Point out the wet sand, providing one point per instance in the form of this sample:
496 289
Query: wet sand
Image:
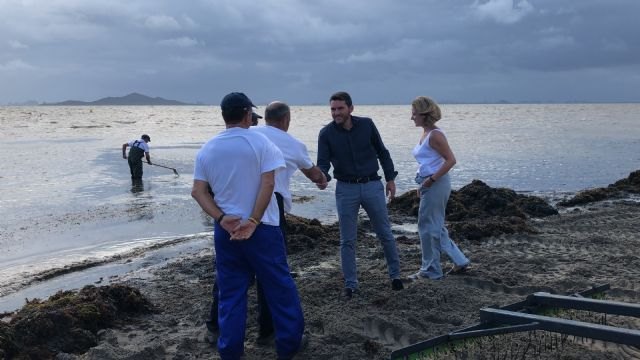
565 253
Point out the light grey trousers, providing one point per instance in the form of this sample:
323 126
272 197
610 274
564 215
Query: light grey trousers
434 237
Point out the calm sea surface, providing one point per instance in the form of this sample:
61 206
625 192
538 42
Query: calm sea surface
65 194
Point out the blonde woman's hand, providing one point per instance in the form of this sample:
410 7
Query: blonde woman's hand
428 182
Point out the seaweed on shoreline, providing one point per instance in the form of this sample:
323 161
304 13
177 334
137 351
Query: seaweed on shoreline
68 321
619 189
305 235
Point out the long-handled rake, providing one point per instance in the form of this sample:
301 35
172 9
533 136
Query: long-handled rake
166 167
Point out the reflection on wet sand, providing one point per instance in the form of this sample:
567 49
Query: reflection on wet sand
137 185
140 206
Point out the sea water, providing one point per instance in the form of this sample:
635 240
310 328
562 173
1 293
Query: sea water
66 196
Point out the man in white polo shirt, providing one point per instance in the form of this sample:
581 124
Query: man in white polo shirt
239 165
278 118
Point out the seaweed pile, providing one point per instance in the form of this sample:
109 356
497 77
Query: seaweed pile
478 211
303 235
619 189
68 321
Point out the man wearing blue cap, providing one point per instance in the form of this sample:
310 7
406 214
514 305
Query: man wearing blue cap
239 166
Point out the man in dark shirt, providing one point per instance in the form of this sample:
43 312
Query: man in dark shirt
353 146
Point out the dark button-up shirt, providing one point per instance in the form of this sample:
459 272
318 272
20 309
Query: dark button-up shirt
353 153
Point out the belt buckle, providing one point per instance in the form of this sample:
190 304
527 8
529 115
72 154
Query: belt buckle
362 180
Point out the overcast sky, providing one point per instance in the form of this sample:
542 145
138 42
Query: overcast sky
302 51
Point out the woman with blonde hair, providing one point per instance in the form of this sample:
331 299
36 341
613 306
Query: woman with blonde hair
435 159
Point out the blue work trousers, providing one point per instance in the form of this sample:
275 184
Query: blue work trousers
263 255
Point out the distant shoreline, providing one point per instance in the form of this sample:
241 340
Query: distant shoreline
93 103
133 99
137 99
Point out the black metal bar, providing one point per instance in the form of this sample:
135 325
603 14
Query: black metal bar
524 304
570 327
417 347
569 302
459 335
494 331
478 326
594 290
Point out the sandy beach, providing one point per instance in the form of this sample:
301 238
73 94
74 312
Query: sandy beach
590 244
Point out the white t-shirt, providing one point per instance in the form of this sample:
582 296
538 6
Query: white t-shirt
295 155
429 160
232 163
140 144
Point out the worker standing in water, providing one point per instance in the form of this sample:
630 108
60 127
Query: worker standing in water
138 149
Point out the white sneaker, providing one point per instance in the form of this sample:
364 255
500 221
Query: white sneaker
417 276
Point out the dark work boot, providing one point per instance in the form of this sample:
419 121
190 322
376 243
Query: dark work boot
396 284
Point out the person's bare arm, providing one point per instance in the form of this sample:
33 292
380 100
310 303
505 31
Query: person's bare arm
200 192
316 175
247 227
124 150
146 155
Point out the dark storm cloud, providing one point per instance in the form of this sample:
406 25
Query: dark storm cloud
301 51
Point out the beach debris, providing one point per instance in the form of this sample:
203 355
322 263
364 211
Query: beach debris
299 199
68 321
629 185
477 210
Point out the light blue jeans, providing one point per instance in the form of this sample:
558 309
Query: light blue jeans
434 237
349 198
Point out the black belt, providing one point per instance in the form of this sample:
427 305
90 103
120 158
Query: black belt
361 180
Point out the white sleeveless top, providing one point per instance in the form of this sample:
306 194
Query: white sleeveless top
429 161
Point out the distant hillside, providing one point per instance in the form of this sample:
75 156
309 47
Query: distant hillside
131 99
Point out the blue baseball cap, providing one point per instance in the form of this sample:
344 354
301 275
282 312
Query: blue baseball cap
236 100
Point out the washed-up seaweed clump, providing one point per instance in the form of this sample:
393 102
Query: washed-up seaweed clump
68 321
619 189
308 234
8 345
477 210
